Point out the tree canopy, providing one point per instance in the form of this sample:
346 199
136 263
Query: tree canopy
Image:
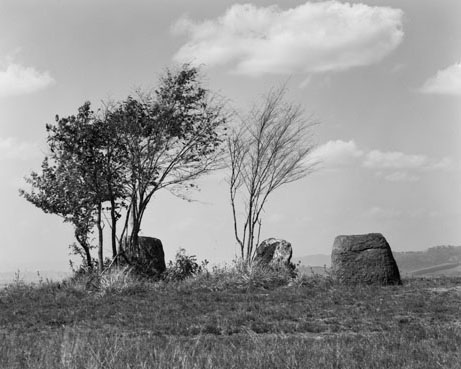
123 154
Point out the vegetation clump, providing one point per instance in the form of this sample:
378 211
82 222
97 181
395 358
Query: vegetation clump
116 158
185 266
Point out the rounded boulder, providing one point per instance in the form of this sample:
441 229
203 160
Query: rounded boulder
364 259
274 251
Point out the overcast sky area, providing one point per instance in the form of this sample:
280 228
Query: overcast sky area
382 77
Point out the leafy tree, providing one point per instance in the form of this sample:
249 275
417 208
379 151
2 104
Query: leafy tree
56 191
76 177
125 154
60 188
170 137
269 150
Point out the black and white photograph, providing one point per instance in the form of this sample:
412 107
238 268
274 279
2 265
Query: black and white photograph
221 184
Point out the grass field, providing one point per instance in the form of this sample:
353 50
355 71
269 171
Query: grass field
213 321
449 269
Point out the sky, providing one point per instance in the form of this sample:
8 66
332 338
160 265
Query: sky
383 78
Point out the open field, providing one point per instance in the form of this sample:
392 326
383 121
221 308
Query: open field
200 323
438 269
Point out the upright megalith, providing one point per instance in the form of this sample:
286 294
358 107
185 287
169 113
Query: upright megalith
274 252
364 259
148 258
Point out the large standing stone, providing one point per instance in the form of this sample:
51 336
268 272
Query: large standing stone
274 252
149 257
364 259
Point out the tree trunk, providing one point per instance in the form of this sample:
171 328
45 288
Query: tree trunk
134 227
113 217
100 238
86 249
134 239
89 262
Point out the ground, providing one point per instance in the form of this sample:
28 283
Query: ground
199 323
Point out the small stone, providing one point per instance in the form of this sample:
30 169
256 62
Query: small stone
274 251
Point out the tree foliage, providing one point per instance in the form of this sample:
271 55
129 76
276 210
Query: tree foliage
126 153
69 184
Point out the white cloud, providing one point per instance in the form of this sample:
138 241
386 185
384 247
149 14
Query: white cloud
394 214
376 159
337 153
446 163
399 177
446 82
390 214
381 213
310 38
392 166
18 80
395 160
11 148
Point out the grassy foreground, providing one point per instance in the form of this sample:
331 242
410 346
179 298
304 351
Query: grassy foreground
223 321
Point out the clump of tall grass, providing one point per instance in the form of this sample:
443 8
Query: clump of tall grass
314 280
118 280
241 275
115 280
186 271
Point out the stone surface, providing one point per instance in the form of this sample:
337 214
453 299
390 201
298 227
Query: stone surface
365 259
274 251
149 258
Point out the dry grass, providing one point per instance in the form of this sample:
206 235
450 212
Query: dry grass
231 318
83 349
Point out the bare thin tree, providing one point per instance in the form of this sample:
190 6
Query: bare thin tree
270 148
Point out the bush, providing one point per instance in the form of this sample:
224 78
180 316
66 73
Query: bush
241 276
262 276
184 266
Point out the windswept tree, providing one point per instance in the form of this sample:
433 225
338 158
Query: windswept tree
71 183
171 137
56 191
270 148
126 153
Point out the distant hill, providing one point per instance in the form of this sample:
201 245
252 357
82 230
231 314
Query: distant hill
410 261
446 269
456 271
313 260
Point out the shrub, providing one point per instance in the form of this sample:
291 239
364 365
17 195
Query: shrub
84 278
184 266
262 276
241 276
